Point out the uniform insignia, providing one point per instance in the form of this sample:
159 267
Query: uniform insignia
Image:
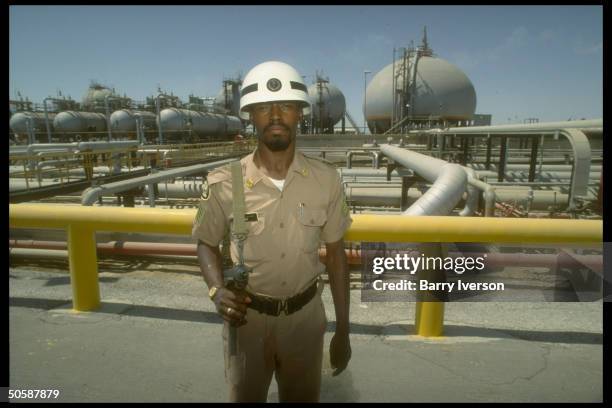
205 191
274 84
305 172
250 217
249 183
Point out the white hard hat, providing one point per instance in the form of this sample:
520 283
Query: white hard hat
273 81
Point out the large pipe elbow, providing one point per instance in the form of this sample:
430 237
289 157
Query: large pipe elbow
349 159
443 195
375 159
90 195
449 181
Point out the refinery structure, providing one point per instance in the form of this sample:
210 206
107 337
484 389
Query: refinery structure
426 152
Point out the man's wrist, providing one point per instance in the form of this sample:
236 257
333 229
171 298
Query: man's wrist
342 328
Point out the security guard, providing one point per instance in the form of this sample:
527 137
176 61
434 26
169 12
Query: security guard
292 202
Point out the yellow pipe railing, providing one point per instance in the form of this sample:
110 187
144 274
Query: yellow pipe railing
398 228
83 222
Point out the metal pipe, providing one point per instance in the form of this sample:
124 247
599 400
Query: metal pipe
488 191
349 159
573 124
376 194
86 146
159 122
365 120
547 161
375 159
151 195
139 129
489 197
90 195
541 162
521 176
50 163
494 259
503 156
391 197
533 158
471 202
30 129
367 172
547 167
578 140
37 147
108 123
179 190
449 181
47 119
554 170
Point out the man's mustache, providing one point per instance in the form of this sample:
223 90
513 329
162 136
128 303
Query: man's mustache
277 124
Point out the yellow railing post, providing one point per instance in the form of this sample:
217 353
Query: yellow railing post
429 319
429 315
83 268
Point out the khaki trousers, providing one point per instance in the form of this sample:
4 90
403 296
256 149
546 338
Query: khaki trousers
290 346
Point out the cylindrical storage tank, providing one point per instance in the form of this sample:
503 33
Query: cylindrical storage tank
72 121
19 122
201 123
124 120
441 90
328 104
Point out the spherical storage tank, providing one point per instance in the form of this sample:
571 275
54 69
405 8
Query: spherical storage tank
124 120
19 122
201 123
327 103
441 90
72 121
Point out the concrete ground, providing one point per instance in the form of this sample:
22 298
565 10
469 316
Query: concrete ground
158 338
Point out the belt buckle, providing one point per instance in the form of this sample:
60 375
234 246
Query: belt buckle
282 307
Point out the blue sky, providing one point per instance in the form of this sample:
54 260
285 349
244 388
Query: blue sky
524 61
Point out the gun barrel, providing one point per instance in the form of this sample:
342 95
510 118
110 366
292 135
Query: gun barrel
233 344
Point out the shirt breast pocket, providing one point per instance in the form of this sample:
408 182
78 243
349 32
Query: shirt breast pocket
254 246
311 222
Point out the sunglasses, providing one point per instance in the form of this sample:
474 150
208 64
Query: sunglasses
266 108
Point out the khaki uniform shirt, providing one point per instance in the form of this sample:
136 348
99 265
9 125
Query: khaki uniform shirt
282 244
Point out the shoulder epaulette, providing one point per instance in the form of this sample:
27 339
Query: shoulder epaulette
219 174
321 160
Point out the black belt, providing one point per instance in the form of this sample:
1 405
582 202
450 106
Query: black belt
274 306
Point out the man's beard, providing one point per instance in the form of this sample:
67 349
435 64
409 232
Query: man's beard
277 144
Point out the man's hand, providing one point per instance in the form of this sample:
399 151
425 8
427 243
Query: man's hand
339 352
232 305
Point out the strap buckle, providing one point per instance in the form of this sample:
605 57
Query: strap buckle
282 307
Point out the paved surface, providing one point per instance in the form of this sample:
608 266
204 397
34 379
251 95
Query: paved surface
157 338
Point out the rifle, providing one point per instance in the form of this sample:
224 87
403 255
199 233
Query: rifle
237 277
